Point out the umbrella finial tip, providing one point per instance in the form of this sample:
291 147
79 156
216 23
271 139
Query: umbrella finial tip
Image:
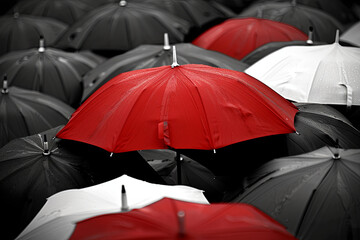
123 190
41 44
166 42
124 203
5 89
337 36
181 219
122 3
310 36
175 63
46 146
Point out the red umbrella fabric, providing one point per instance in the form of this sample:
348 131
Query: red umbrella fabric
238 37
191 106
174 219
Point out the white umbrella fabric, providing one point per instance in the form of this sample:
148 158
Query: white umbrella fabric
326 74
57 218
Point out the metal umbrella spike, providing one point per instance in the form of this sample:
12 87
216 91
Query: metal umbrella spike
166 42
310 36
46 146
41 44
175 63
124 202
5 85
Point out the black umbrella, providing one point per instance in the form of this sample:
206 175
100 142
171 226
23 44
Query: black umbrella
340 9
197 12
24 112
47 70
299 16
123 26
66 11
31 169
315 195
19 32
192 173
147 56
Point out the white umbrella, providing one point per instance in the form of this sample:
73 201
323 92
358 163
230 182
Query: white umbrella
57 218
326 74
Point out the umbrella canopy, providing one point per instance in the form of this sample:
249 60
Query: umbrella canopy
319 125
352 35
66 11
24 112
123 26
197 12
238 37
147 56
47 70
299 16
57 218
19 32
341 10
326 74
188 106
173 219
315 195
193 173
34 168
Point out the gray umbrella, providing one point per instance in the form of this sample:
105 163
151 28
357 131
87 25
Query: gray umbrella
315 195
47 70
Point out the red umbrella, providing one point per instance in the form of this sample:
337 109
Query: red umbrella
239 36
174 219
184 107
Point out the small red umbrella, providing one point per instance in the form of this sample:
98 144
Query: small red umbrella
238 37
184 107
174 219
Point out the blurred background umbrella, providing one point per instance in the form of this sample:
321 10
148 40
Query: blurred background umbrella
238 37
315 195
270 47
299 16
352 35
173 219
66 11
120 194
147 56
32 169
123 26
342 10
24 112
326 74
47 70
20 32
193 173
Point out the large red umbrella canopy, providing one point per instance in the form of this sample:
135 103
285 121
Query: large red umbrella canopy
238 37
185 107
174 219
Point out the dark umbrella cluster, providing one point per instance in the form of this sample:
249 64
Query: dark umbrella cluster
180 119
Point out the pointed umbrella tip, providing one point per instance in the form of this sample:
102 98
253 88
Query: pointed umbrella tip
166 42
46 146
310 36
5 89
122 3
41 44
175 63
124 203
337 34
181 220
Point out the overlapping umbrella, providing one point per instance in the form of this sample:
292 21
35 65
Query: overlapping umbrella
20 32
315 195
238 37
326 74
57 218
47 70
32 169
352 35
173 219
24 112
123 26
66 11
299 16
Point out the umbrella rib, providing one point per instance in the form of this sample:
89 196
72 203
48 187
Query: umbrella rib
303 215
